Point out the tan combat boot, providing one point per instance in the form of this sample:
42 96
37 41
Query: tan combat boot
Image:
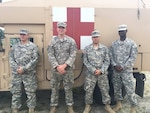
53 110
118 106
31 110
70 109
109 109
87 109
14 110
133 109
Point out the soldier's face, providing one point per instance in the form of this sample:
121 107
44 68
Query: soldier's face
24 37
61 30
122 33
96 40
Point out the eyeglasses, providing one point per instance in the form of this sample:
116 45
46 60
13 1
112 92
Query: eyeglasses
23 34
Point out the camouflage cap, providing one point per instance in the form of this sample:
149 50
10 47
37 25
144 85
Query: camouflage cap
122 27
95 33
24 31
61 24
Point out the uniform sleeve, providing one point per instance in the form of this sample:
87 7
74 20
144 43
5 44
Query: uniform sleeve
106 62
113 63
89 66
72 56
132 57
51 56
34 60
12 61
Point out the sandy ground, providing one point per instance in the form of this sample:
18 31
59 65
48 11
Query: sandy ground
43 101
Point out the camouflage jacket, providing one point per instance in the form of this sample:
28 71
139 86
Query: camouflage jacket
123 53
96 58
25 56
62 51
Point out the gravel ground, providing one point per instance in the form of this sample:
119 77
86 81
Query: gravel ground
43 100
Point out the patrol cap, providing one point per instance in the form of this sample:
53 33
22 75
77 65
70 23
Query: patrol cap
122 27
61 24
95 33
24 31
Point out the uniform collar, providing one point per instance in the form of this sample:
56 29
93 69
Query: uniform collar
99 46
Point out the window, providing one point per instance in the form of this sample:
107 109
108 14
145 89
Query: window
15 40
2 39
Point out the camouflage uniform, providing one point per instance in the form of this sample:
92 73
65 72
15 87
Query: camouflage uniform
25 56
62 51
124 53
96 59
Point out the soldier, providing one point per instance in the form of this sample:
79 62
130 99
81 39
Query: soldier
96 59
62 53
123 54
23 59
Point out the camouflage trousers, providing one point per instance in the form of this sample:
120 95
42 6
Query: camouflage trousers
30 84
68 81
89 87
126 79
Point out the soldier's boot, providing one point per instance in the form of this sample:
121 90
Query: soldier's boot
133 109
70 109
87 109
14 110
31 110
109 109
118 106
53 110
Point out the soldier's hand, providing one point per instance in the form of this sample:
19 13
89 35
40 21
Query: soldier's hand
118 68
61 69
97 72
20 70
